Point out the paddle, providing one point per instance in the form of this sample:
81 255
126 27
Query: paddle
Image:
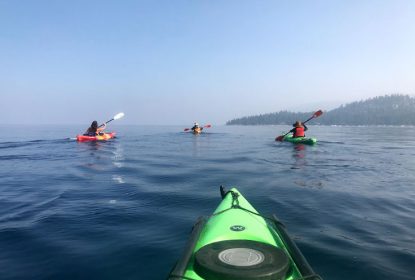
116 117
205 126
315 115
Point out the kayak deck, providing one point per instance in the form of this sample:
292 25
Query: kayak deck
300 140
239 229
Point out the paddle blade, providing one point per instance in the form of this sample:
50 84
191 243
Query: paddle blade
280 138
318 114
118 116
207 126
186 129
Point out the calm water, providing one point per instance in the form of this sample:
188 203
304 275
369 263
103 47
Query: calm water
123 209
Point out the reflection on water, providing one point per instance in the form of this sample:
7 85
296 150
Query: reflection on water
117 178
299 150
200 142
118 155
299 154
195 144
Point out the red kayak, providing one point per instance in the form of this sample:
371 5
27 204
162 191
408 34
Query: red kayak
104 136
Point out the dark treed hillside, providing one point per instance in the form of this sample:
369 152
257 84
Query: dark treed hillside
383 110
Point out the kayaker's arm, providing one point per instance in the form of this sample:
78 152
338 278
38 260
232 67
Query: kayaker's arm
305 127
100 129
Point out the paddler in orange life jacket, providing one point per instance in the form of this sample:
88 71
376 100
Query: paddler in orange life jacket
94 130
299 129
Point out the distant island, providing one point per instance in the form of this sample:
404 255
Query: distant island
393 109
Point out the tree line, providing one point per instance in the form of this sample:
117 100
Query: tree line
395 109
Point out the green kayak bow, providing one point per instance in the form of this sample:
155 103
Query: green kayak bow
238 243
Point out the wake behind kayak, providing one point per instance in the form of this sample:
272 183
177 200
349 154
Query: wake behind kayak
237 243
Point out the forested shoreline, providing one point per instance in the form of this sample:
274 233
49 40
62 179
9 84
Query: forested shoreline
394 109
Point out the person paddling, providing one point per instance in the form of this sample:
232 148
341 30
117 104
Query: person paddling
94 130
196 128
299 129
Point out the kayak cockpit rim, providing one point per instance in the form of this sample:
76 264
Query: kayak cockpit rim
295 253
179 269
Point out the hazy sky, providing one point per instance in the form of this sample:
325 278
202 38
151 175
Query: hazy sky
175 62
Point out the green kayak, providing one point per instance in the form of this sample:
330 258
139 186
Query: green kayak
300 140
237 243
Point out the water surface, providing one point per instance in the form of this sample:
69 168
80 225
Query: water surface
123 209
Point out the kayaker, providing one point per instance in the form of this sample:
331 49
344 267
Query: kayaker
195 127
94 129
299 129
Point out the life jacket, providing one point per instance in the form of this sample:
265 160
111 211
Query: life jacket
299 132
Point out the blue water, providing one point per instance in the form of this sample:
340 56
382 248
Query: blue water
123 209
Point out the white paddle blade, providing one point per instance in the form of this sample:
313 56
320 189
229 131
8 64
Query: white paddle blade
118 116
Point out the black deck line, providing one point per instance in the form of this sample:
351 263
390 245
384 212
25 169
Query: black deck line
295 253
